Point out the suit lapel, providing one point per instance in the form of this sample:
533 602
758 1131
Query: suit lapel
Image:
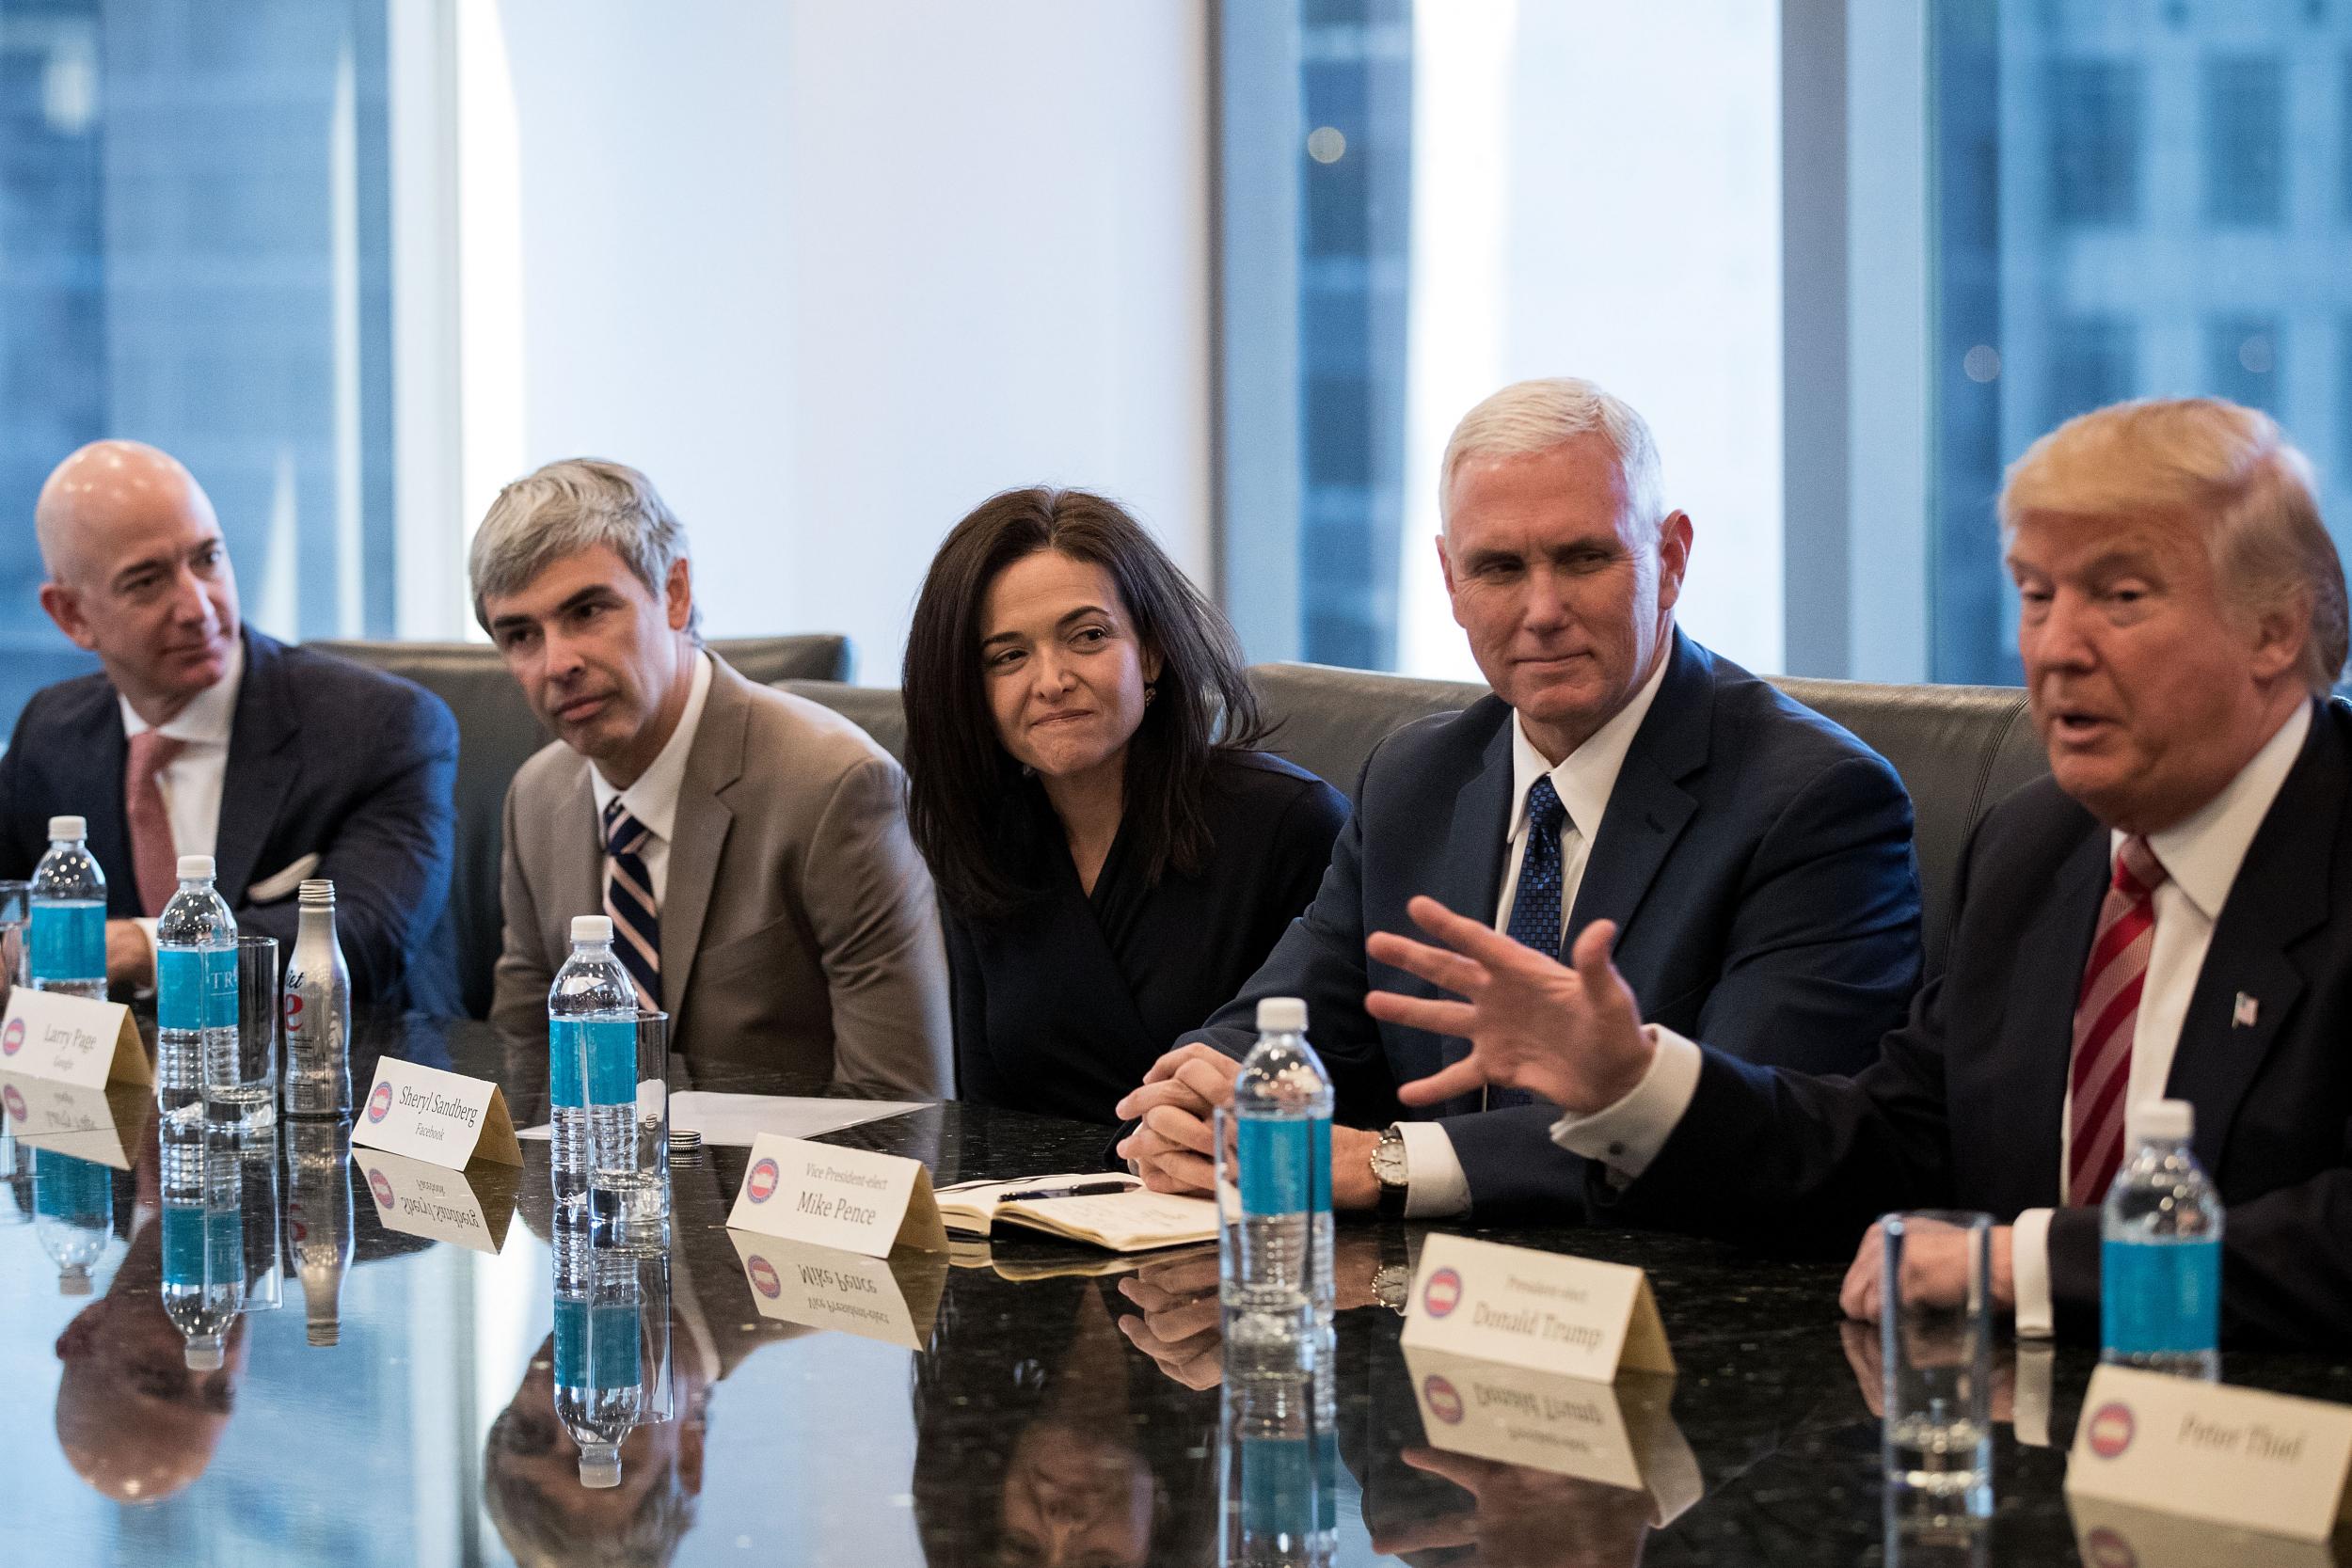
699 832
1465 876
99 744
578 885
2035 1037
261 763
2280 894
1647 806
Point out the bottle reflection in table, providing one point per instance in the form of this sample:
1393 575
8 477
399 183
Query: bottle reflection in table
319 1220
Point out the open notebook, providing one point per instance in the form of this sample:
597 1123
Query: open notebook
1130 1219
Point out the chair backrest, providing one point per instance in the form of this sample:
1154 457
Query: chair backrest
497 733
1957 749
875 710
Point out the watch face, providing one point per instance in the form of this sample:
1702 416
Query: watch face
1388 1162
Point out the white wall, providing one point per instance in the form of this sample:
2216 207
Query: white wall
831 273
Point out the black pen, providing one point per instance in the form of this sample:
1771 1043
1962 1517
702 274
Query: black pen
1084 1189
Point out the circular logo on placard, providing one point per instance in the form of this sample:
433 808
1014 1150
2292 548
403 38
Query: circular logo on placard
761 1183
380 1102
381 1187
12 1038
763 1278
1443 1293
1441 1399
2104 1548
2111 1429
16 1103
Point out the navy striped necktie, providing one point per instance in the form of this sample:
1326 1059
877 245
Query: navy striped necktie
628 899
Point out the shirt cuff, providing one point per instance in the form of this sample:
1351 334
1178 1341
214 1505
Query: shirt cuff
1627 1137
2029 1273
1435 1186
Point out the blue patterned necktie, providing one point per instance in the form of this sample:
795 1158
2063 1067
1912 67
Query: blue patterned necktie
1535 904
628 899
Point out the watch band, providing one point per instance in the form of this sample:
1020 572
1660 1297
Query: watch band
1392 1194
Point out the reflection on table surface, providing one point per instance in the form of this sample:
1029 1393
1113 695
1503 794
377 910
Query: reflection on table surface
261 1351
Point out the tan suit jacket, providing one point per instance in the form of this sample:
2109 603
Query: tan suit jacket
799 932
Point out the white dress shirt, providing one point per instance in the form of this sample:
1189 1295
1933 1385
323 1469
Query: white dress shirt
653 799
1584 780
2200 856
191 784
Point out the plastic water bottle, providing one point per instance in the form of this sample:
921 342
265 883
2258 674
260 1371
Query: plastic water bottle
598 1371
204 1253
73 1214
69 902
196 991
1277 1472
318 1221
591 1059
2160 1254
318 1011
1277 1278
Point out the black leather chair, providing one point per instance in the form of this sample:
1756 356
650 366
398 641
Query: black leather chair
875 710
496 731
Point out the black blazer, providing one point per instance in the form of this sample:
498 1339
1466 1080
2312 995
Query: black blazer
1757 857
326 757
1964 1103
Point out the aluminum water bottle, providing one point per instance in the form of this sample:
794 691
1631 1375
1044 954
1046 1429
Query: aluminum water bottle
204 1253
599 1380
195 991
1277 1278
319 1220
69 902
318 1011
2160 1253
591 1059
73 1214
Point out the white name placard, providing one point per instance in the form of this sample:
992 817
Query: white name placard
2267 1463
1535 1309
851 1199
1616 1433
2117 1535
103 1125
469 1209
893 1300
443 1118
71 1039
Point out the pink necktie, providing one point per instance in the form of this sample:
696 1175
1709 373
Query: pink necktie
152 857
2104 1016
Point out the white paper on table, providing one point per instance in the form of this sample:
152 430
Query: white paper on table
733 1121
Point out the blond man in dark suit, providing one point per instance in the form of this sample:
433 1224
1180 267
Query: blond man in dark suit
750 847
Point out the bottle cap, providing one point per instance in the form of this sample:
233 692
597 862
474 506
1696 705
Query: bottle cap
2169 1119
74 1280
198 868
592 928
1281 1015
317 890
68 826
326 1333
600 1466
205 1354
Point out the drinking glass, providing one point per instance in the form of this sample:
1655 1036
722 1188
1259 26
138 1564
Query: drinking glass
16 914
245 1088
629 1174
1938 1366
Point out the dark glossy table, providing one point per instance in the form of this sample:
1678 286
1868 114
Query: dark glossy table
1051 1416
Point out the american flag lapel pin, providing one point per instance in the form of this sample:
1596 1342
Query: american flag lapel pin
2243 1016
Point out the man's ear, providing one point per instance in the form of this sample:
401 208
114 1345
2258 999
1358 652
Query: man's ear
1445 570
1674 556
678 595
2280 634
65 608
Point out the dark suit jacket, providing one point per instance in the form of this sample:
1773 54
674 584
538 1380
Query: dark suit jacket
326 757
1756 856
1964 1102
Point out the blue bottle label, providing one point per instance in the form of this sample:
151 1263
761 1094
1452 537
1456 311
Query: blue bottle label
596 1347
1285 1165
195 987
70 941
607 1047
2160 1297
65 1188
1277 1490
183 1243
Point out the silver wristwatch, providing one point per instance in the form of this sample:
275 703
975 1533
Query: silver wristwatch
1389 1171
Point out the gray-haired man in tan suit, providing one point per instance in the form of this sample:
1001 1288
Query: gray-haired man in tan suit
750 846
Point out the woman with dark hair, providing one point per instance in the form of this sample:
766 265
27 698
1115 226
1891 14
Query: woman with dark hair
1113 856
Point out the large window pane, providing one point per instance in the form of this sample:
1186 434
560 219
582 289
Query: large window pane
193 252
2124 208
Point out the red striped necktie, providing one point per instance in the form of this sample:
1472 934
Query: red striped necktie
2106 1015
